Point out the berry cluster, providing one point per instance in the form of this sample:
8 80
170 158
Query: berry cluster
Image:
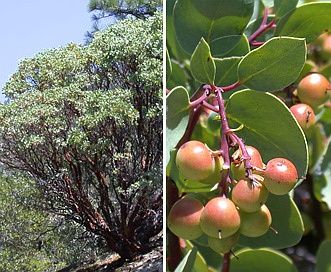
312 93
227 215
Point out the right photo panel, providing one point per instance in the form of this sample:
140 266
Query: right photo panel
248 130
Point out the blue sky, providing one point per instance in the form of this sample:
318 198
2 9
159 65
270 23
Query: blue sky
31 26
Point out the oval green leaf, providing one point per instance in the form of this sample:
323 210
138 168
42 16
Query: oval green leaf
212 20
200 264
307 21
322 178
282 7
261 260
286 220
269 126
274 65
202 64
177 113
168 66
187 263
226 71
323 257
224 45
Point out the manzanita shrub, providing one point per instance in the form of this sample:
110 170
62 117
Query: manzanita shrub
248 125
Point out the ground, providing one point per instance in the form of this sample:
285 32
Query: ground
149 262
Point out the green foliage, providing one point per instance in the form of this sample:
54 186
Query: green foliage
31 238
279 54
307 21
112 10
202 64
86 123
121 9
259 260
250 63
323 261
284 6
192 21
246 106
177 116
187 263
286 220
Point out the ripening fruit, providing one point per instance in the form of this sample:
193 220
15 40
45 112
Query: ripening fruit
304 114
237 167
255 224
220 218
217 173
280 176
194 161
314 90
249 196
223 245
184 218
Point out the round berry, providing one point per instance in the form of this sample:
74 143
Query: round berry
280 176
249 196
223 245
255 224
304 114
220 218
194 161
184 218
314 89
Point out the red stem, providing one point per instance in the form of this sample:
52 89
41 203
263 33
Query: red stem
231 87
226 262
199 100
263 27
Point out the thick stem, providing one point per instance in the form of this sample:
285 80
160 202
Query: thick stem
223 184
263 27
229 138
231 87
226 262
199 100
245 156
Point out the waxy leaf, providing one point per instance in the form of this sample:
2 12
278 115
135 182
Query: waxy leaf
261 260
177 112
226 71
323 263
168 66
269 126
187 263
274 65
235 45
178 76
282 7
202 64
307 21
322 178
210 20
200 264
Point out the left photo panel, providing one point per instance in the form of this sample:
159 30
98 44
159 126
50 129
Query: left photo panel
81 136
